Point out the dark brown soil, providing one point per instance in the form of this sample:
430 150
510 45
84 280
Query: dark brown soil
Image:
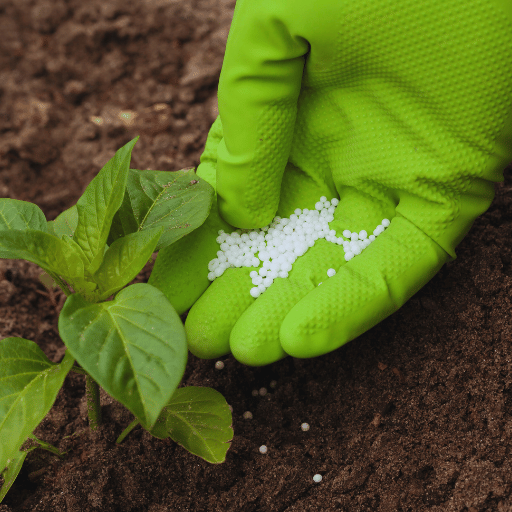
414 415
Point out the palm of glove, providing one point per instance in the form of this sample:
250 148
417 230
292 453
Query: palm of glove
392 126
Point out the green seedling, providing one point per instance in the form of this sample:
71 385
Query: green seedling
127 339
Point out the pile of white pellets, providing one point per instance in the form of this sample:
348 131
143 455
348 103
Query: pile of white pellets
277 246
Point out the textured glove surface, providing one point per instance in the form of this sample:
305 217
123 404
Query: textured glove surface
400 109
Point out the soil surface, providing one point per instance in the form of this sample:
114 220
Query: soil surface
414 415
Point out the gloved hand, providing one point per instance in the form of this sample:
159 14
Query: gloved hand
401 109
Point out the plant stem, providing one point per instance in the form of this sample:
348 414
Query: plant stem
77 369
127 430
92 392
60 283
47 446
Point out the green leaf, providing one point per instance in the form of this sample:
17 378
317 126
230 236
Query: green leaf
124 260
98 205
134 346
63 257
21 215
180 201
64 227
65 223
44 250
199 419
83 282
28 388
86 289
124 222
12 470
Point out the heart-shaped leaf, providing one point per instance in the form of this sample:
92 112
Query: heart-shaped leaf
134 346
199 419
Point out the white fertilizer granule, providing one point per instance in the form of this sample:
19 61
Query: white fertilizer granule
275 248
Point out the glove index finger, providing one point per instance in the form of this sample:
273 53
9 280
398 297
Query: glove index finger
259 87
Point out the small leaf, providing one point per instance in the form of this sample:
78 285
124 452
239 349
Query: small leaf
98 204
65 223
85 288
21 215
199 419
179 200
44 250
124 222
134 346
28 388
12 470
83 282
124 260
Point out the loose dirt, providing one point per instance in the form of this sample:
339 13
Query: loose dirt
414 415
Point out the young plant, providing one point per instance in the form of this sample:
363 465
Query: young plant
127 339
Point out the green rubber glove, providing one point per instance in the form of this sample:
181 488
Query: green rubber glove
401 109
